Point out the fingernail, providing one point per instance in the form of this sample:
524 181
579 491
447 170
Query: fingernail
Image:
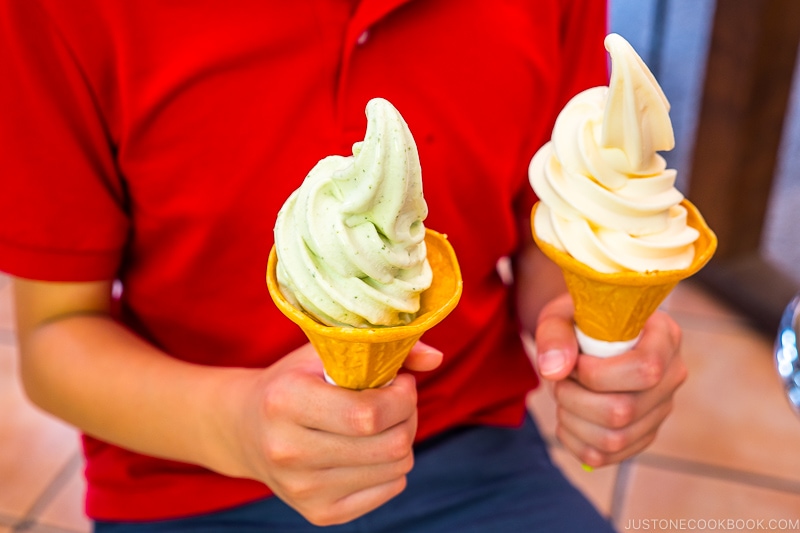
552 362
587 467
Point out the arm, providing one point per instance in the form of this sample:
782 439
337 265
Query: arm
78 364
330 453
537 279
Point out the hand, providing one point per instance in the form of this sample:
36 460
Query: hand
331 453
608 409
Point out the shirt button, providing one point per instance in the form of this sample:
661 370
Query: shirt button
363 37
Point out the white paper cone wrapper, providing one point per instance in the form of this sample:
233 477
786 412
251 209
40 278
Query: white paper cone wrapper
598 348
330 380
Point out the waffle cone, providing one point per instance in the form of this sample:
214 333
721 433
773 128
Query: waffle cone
363 358
614 307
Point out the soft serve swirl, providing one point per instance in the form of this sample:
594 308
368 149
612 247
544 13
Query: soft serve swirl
350 239
606 195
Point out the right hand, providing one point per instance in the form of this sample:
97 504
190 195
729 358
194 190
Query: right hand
330 453
333 454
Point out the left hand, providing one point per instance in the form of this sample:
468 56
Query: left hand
608 409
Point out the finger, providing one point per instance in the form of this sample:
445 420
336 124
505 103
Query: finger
594 458
423 358
301 448
355 479
308 401
618 409
634 449
610 441
327 497
556 346
356 504
639 369
577 447
371 498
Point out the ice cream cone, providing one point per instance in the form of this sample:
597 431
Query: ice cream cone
614 307
362 358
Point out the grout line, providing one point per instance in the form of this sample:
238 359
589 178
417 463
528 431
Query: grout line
696 468
48 495
687 466
620 489
30 527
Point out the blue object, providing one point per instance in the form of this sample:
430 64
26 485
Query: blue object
786 357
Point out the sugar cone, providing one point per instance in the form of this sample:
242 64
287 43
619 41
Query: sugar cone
614 307
363 358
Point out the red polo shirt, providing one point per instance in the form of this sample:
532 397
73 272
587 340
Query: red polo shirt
153 142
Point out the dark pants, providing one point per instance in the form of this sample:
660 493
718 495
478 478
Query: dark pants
470 480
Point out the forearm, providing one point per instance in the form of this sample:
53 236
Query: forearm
537 280
331 453
93 373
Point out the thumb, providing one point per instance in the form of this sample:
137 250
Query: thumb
423 358
556 345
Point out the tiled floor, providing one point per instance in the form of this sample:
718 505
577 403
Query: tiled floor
730 450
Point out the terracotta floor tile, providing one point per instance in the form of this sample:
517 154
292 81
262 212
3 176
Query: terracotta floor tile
66 509
543 409
691 300
659 494
6 523
44 442
731 411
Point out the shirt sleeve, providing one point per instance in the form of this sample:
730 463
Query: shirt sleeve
62 203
